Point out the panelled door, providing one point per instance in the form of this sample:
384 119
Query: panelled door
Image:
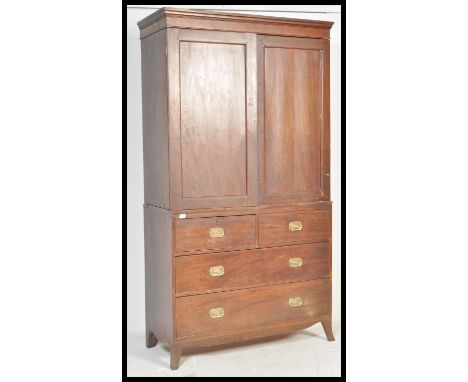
293 125
212 118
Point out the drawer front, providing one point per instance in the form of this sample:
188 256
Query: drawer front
230 270
226 312
230 232
294 227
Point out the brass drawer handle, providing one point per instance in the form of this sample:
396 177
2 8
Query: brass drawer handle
216 232
295 301
295 225
295 262
217 271
216 312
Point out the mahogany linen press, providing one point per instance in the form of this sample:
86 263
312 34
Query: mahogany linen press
236 130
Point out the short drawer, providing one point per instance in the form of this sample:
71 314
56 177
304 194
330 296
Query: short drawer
294 227
240 269
225 312
229 232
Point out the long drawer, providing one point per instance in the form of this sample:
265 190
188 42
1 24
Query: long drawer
294 227
225 312
218 233
231 270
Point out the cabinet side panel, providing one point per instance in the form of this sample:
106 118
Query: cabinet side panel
155 119
326 121
158 273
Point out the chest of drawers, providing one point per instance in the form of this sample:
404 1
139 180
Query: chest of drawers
237 177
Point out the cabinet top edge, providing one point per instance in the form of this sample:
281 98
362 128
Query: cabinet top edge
250 210
165 13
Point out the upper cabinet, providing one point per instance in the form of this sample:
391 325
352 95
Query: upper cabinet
293 119
233 115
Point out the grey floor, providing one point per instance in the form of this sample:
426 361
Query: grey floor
305 353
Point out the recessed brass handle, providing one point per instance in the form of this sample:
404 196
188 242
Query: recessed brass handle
217 271
295 301
295 225
295 262
216 312
216 232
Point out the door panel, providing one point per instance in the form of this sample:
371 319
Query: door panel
213 120
292 132
292 120
213 131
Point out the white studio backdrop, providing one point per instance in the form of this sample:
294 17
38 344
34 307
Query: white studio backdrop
135 242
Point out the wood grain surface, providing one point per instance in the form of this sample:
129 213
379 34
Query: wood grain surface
155 120
250 268
158 275
213 120
273 229
233 22
193 234
245 309
212 111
